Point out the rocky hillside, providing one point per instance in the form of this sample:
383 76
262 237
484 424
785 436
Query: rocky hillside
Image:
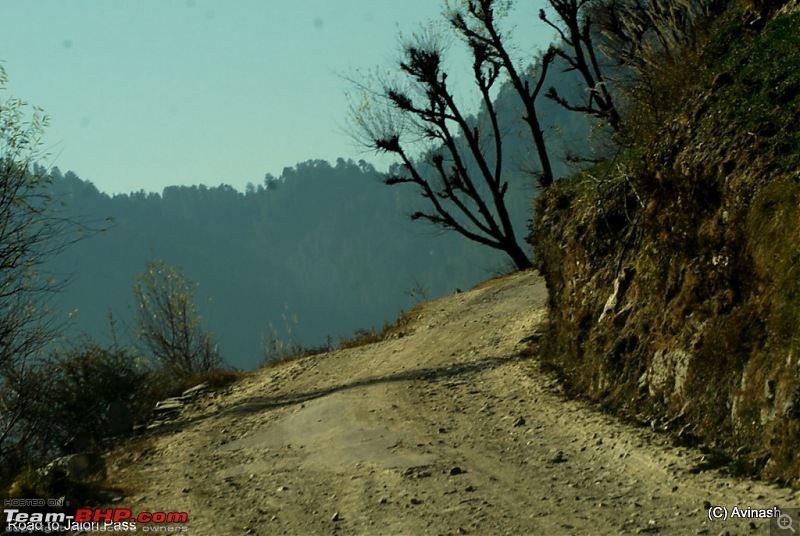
674 270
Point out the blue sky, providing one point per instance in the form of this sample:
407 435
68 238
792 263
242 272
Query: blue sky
143 94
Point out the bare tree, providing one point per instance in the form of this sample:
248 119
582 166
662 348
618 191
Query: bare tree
477 21
578 49
31 232
168 322
459 173
647 40
649 35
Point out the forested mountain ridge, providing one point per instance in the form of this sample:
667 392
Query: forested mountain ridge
325 245
320 251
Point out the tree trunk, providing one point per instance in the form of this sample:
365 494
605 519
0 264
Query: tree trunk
520 259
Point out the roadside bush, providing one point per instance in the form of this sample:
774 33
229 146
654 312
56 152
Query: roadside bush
86 379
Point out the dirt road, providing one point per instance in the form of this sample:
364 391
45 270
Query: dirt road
444 430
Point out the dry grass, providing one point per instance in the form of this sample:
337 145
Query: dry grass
399 328
216 378
495 280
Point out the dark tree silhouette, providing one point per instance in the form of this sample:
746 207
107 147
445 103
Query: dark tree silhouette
460 174
477 22
574 26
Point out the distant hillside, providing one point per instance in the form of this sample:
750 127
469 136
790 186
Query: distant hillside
326 244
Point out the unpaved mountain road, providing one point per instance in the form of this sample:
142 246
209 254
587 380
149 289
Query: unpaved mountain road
445 430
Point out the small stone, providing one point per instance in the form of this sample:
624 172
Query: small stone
335 517
414 500
170 405
456 471
520 421
194 391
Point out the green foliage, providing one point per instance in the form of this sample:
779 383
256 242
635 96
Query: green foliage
763 8
330 240
25 229
690 312
654 42
760 84
773 224
76 385
650 263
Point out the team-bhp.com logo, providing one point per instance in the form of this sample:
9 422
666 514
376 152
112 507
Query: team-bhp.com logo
93 520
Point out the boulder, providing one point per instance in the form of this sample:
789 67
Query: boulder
79 468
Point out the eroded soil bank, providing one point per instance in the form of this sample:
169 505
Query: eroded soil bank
673 269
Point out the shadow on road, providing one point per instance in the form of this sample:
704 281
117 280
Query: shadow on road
427 374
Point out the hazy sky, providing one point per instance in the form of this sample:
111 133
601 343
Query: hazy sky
142 94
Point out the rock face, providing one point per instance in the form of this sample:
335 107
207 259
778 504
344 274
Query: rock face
674 288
